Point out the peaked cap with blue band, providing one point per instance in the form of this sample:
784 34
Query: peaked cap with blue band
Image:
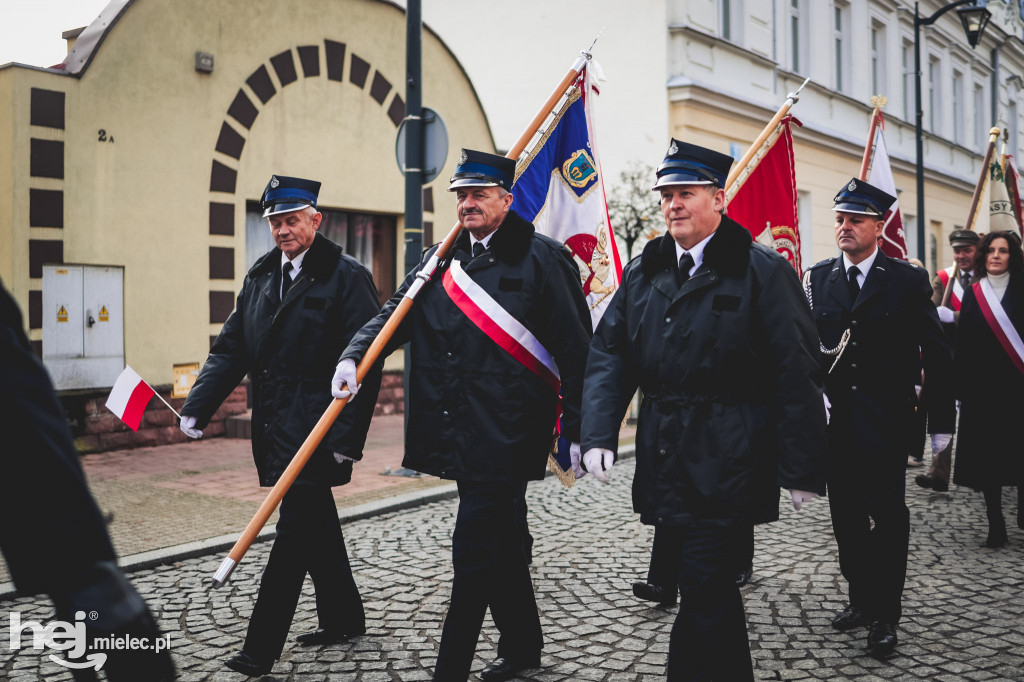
480 169
861 197
688 164
284 195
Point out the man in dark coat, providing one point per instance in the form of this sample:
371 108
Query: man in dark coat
885 305
964 244
714 330
53 536
299 307
481 413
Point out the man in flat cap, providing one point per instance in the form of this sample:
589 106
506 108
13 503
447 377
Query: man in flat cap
299 306
495 337
956 278
714 329
877 327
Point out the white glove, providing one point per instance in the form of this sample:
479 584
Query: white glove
344 384
801 496
574 458
917 392
188 427
598 461
940 441
828 409
945 314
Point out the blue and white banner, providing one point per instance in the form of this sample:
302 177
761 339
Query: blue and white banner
560 189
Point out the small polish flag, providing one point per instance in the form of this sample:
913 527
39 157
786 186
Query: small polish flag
129 397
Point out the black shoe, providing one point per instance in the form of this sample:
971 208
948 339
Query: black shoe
322 636
743 577
925 480
506 669
665 596
851 617
996 538
881 639
940 485
247 665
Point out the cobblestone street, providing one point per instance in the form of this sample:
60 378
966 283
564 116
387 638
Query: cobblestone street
962 606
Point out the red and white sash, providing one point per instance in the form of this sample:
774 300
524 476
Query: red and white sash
958 289
1001 326
499 325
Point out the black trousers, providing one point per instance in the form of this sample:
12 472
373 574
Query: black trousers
309 540
709 638
491 569
872 527
666 555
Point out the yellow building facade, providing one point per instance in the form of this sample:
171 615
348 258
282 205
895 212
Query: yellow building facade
129 174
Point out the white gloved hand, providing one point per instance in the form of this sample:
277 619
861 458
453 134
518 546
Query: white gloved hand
945 314
344 384
188 427
828 409
940 441
800 497
574 458
917 392
598 461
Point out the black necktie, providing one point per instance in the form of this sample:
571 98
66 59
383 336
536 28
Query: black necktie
854 285
286 279
685 263
478 249
965 281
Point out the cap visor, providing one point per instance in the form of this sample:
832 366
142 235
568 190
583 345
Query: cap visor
856 208
669 180
470 182
283 208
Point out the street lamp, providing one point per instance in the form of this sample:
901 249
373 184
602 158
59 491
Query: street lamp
974 18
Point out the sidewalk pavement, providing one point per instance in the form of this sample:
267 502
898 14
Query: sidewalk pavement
172 502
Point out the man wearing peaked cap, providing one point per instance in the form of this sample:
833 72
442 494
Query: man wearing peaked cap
964 244
877 327
299 306
483 414
712 327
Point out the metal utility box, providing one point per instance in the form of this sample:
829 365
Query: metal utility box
83 325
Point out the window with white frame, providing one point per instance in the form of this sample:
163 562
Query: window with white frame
878 61
980 117
934 95
729 12
907 53
1012 124
841 45
958 107
797 58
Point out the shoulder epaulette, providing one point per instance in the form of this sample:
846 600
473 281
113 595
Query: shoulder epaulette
822 263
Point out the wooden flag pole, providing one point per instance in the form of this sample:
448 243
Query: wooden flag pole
869 149
972 214
752 152
373 352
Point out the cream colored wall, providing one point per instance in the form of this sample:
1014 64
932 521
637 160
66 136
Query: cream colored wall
143 200
8 226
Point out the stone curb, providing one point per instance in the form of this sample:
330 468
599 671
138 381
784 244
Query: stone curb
223 543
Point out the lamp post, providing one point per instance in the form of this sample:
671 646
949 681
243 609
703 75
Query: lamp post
974 19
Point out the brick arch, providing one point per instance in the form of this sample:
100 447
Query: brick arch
340 65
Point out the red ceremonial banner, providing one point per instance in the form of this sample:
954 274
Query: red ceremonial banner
766 204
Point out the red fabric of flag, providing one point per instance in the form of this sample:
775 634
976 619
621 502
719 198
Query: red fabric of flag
766 203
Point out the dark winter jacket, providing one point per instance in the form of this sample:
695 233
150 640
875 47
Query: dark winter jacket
290 350
475 412
727 366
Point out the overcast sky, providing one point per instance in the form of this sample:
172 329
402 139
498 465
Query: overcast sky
30 29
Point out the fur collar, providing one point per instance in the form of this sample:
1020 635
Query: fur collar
728 252
510 242
320 261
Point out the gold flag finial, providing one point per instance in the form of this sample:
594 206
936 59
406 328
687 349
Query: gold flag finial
878 101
